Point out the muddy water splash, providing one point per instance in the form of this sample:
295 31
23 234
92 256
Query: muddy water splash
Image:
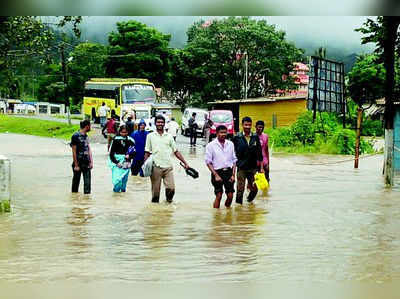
318 223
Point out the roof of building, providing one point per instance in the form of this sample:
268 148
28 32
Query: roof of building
261 99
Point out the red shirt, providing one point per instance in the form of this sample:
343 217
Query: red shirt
111 127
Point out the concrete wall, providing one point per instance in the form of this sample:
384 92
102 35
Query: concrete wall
286 111
5 182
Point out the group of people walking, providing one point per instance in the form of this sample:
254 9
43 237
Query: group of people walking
228 161
237 160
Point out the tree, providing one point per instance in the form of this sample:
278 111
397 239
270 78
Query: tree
26 40
217 51
87 62
384 33
51 86
366 79
182 83
139 51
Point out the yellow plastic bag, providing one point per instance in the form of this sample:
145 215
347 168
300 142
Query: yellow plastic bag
261 182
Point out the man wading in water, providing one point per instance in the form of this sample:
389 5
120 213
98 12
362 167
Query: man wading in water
82 158
249 155
161 145
221 160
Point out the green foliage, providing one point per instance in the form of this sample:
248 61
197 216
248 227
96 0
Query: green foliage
372 128
87 62
215 56
304 129
51 86
325 136
36 127
366 79
139 51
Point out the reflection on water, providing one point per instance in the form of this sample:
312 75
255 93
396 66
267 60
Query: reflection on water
317 223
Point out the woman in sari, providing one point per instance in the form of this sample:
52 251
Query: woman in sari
121 153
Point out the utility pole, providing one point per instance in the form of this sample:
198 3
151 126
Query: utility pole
390 25
358 133
64 71
246 74
315 83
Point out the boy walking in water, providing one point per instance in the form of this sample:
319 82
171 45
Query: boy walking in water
221 160
82 158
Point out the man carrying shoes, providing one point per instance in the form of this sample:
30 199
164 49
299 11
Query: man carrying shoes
161 146
221 160
249 155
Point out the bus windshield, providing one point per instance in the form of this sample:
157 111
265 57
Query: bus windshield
138 93
142 114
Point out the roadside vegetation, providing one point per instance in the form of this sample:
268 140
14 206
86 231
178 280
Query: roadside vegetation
325 136
36 127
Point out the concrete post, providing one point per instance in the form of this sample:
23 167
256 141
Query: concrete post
5 182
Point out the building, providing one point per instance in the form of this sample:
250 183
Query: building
301 79
274 111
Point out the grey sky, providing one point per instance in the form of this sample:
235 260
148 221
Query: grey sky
329 31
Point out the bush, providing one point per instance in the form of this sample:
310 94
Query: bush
372 128
325 136
304 129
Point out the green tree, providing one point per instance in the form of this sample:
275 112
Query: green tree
139 51
26 41
86 61
51 86
366 79
217 61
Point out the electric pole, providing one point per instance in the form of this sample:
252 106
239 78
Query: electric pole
246 75
64 71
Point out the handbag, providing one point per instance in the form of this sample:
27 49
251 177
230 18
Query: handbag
261 182
147 167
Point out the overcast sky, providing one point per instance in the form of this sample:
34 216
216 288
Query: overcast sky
329 31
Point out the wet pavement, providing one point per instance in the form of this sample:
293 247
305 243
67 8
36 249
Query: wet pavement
319 222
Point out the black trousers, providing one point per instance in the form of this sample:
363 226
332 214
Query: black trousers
193 136
86 180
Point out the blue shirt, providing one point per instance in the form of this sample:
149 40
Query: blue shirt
140 143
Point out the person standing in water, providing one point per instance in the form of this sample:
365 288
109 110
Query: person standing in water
249 155
161 146
82 158
221 161
139 136
264 147
122 151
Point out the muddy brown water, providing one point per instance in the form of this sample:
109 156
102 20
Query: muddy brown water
317 223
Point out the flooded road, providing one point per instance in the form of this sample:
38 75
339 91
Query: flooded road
317 223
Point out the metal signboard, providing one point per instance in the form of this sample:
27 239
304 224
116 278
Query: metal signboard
326 86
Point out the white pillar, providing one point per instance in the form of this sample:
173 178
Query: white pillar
5 182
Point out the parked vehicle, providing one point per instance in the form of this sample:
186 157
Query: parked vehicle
200 117
222 117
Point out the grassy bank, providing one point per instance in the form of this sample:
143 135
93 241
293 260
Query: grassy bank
324 136
36 127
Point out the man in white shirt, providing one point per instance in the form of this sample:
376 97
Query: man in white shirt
161 146
103 114
172 128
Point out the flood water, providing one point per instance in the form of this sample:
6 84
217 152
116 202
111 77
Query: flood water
319 222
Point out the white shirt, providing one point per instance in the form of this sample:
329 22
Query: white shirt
173 128
220 155
103 111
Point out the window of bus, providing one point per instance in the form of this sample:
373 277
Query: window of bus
142 114
138 93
